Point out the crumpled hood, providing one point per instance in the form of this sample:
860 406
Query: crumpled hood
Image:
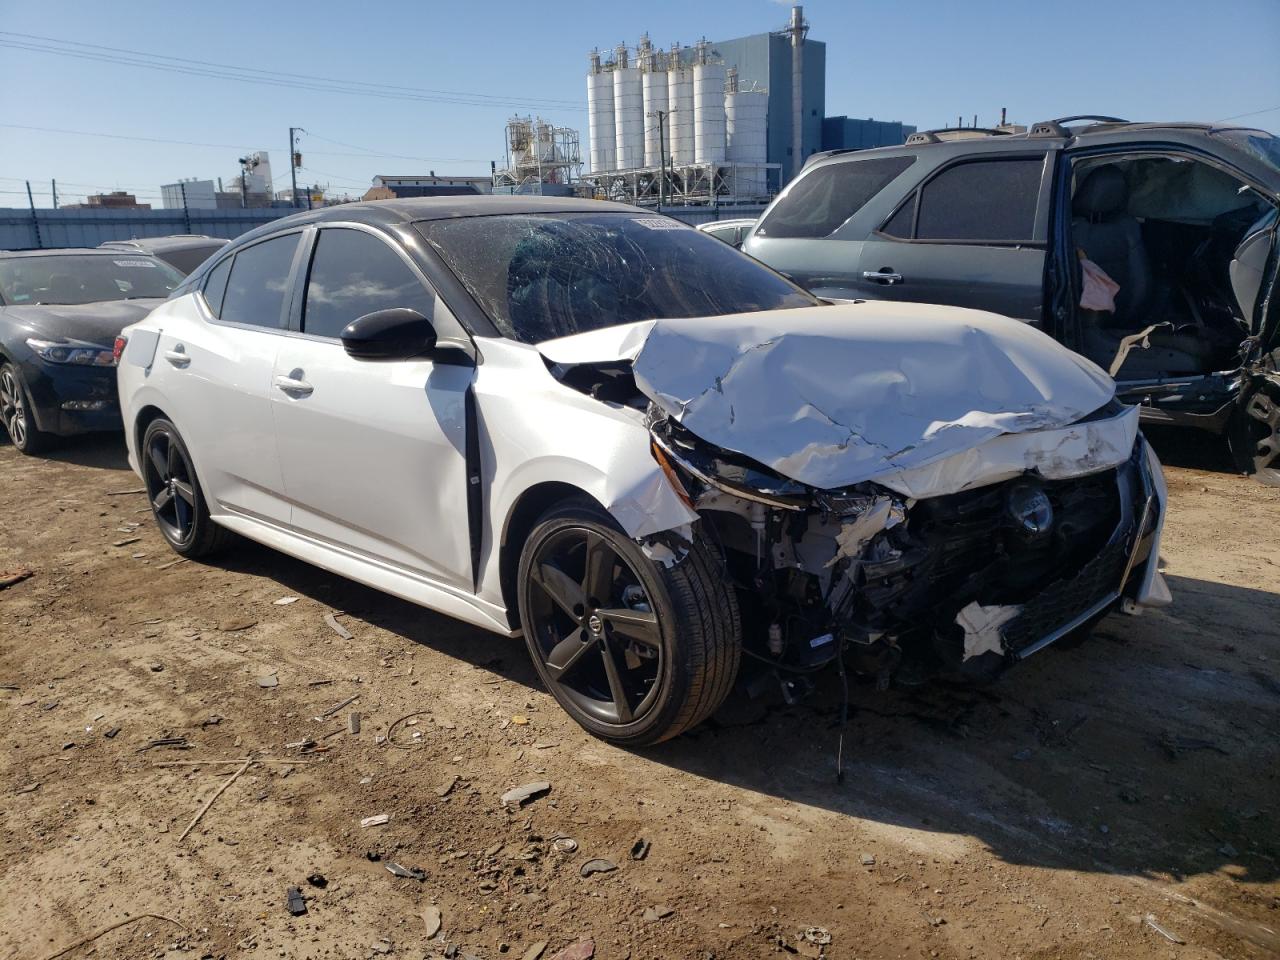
837 395
98 323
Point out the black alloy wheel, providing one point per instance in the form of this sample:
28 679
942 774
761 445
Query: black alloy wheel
636 652
15 413
177 502
1263 425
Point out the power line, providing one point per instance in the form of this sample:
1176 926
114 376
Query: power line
239 74
186 61
1252 113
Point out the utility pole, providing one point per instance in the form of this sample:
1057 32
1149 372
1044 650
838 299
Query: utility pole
186 214
55 193
295 161
244 176
35 221
661 116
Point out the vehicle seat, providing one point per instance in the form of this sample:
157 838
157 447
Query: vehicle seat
1102 227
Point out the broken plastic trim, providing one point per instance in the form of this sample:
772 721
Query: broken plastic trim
726 486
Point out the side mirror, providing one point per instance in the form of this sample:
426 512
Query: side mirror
399 334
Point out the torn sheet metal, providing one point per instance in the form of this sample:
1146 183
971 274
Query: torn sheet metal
981 626
881 514
835 395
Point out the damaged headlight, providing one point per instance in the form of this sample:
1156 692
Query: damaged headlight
72 351
677 450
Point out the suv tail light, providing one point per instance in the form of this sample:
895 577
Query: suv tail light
118 350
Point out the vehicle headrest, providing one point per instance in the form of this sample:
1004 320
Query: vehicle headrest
1104 191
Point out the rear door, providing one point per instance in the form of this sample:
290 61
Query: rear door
373 452
218 377
974 234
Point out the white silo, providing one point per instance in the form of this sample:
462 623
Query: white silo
680 102
657 123
708 109
746 136
628 113
600 126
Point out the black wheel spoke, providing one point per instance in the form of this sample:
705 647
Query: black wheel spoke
560 587
638 625
159 460
616 688
597 577
162 500
568 653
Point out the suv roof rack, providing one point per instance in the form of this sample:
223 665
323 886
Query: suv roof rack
932 136
1058 128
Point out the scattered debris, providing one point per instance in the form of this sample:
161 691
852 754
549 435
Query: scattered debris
9 577
640 849
535 950
376 821
296 902
523 794
114 926
127 493
582 950
565 844
1164 932
29 788
236 625
654 914
445 788
173 563
338 706
599 865
157 667
382 946
318 880
285 601
211 721
126 541
432 920
868 860
338 628
353 722
520 720
178 743
267 681
217 793
111 734
819 935
408 873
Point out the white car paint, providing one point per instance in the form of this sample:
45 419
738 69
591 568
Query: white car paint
364 475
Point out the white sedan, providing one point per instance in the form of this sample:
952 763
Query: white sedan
651 455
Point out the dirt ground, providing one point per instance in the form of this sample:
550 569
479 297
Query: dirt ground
1050 815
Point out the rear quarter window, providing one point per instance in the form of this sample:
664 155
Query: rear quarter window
818 203
991 201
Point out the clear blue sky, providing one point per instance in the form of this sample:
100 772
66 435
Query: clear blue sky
920 61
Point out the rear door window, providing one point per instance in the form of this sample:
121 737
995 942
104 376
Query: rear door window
354 273
985 201
215 286
259 283
822 200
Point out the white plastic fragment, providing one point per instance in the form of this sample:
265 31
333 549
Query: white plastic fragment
982 625
881 514
376 820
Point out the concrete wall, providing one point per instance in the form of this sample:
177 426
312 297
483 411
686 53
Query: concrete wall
88 228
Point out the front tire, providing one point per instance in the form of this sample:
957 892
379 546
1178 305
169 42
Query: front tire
1254 436
16 414
634 651
177 500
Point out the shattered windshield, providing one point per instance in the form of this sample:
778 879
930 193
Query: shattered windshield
542 276
1257 143
92 278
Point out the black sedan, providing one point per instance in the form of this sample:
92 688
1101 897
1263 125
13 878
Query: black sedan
60 311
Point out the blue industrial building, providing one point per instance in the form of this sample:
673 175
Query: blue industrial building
849 133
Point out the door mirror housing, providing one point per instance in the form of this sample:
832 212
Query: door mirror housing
398 334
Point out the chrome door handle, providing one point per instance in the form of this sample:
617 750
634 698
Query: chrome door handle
888 279
293 386
178 356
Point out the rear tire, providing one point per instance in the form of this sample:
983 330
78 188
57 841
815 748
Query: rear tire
16 414
1254 436
178 503
634 651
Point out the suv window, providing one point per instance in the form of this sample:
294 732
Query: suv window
957 204
215 286
820 201
354 273
259 283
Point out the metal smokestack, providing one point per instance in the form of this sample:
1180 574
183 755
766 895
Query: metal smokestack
797 28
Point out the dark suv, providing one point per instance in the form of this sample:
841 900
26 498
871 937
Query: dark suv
1172 225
